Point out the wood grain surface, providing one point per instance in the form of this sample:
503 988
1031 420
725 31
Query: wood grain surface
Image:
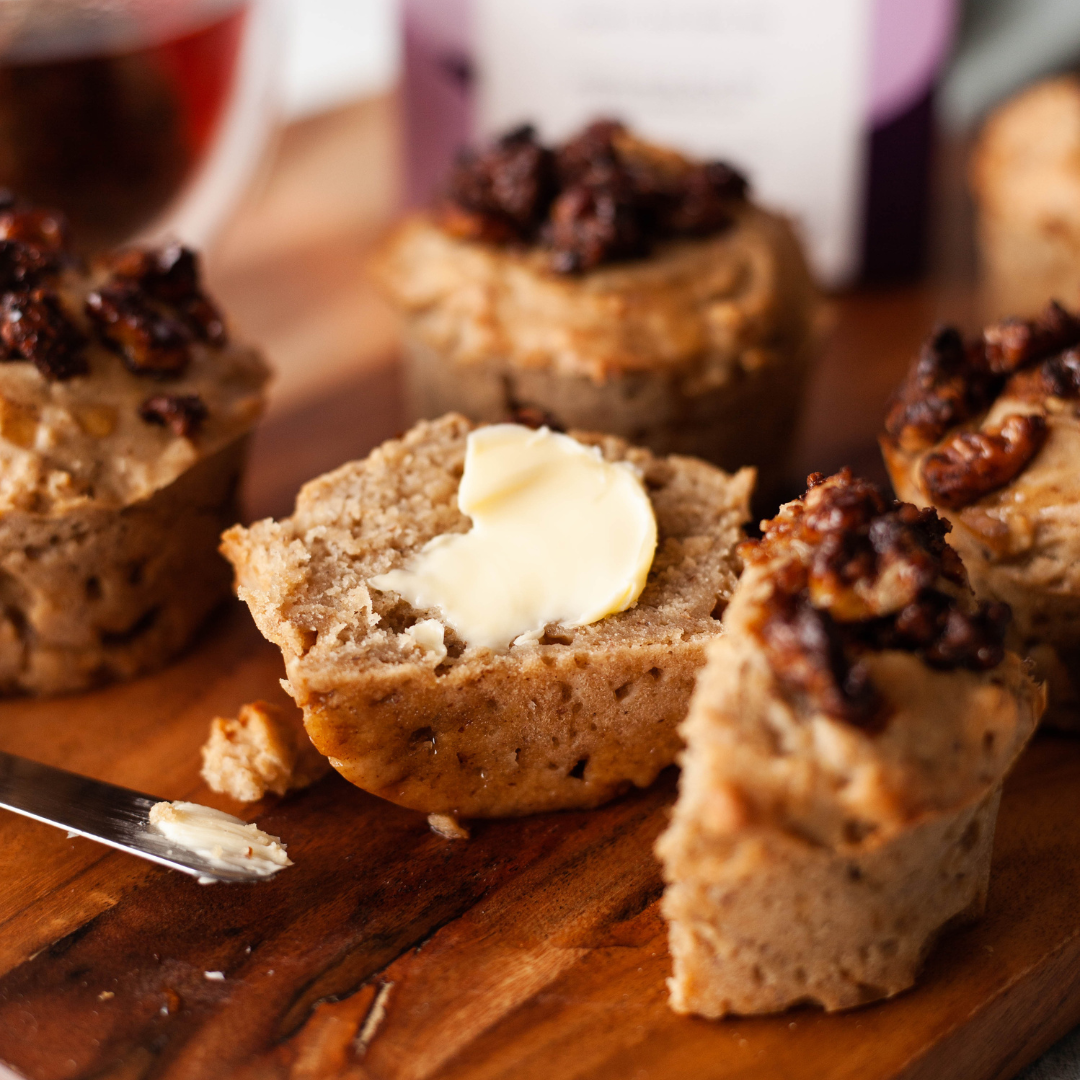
535 949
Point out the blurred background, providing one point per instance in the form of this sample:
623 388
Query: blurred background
283 136
375 96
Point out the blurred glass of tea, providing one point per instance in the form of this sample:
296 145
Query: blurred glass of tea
134 116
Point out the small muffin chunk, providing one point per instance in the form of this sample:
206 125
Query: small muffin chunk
406 709
845 748
262 749
988 431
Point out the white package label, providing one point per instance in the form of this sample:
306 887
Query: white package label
776 87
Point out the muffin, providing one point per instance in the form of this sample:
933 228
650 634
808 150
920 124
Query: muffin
124 411
988 432
406 708
1025 177
607 285
845 748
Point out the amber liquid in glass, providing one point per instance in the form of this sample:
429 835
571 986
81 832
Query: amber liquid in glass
112 139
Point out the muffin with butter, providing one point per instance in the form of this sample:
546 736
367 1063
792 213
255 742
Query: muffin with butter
607 285
987 431
845 749
124 411
497 620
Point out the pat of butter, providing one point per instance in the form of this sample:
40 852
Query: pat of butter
559 535
226 842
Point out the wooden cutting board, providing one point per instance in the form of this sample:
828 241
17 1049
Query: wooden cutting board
535 949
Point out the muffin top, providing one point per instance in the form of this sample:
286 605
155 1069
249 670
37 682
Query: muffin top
858 685
602 257
851 573
117 376
603 196
979 412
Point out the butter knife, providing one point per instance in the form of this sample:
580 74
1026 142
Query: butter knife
106 813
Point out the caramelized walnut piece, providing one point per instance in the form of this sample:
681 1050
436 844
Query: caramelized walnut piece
1015 343
972 464
853 573
1057 376
34 327
593 223
702 204
183 414
171 276
807 653
949 383
149 339
502 193
600 197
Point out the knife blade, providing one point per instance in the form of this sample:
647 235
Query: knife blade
107 813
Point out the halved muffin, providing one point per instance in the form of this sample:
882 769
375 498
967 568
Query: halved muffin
846 745
988 432
124 411
608 285
407 709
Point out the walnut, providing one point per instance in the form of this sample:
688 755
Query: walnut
852 573
971 464
171 275
1057 376
807 654
1015 343
502 193
600 197
184 414
149 339
949 383
702 204
34 327
594 223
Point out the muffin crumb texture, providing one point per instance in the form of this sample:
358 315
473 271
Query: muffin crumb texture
569 720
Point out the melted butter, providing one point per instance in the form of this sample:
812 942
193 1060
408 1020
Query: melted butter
226 842
559 535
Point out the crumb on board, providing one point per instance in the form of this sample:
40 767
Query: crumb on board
264 749
448 826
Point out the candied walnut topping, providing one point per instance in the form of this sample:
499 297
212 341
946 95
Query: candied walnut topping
953 381
1014 343
33 323
33 327
170 275
971 464
1057 376
948 384
854 573
502 193
600 197
152 308
150 340
183 414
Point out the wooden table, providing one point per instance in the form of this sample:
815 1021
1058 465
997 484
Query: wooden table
533 950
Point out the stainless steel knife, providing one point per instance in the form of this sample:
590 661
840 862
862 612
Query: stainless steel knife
103 812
